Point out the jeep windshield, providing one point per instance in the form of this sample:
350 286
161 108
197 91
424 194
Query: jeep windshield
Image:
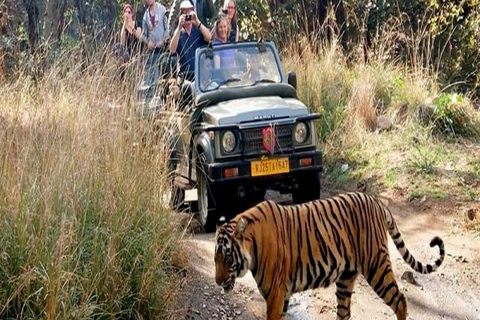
231 65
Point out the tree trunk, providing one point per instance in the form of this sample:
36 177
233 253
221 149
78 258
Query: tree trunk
33 15
9 23
82 17
341 22
54 21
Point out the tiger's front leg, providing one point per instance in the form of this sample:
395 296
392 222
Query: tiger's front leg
275 303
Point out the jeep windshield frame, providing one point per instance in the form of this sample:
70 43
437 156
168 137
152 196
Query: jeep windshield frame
236 65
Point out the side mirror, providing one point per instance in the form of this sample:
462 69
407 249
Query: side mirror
292 79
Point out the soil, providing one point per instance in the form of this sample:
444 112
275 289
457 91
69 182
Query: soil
452 292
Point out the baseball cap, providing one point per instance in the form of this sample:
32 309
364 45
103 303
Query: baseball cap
186 5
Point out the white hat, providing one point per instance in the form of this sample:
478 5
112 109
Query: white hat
186 4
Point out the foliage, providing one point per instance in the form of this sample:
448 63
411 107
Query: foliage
85 231
453 115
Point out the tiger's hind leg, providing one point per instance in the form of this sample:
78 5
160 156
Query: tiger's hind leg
345 286
382 280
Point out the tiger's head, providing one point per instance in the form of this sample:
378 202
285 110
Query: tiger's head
231 258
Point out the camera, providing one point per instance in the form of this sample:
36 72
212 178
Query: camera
224 11
188 17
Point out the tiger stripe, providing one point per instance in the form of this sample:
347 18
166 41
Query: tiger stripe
290 249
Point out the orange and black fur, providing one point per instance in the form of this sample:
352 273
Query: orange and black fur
290 249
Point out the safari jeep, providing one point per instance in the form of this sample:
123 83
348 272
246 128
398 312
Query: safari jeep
247 132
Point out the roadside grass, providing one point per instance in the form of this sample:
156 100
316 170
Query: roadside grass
84 230
426 149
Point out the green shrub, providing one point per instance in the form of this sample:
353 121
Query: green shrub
453 115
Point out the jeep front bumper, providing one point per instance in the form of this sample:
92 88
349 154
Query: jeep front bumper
298 165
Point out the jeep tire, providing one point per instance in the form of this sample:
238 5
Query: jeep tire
308 188
208 200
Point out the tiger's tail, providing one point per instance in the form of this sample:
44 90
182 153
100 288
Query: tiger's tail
406 255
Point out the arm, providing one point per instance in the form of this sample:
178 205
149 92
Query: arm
175 38
166 33
207 36
216 61
123 36
237 34
144 36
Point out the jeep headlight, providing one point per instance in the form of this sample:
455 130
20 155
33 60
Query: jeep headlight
228 141
301 132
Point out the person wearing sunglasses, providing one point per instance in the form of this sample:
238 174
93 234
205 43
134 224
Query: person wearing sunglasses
130 33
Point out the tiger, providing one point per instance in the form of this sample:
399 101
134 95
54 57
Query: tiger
293 248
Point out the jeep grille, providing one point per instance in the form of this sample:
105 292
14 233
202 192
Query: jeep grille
252 140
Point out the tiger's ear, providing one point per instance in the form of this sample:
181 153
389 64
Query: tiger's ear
221 221
240 228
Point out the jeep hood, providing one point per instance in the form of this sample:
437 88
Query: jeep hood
253 109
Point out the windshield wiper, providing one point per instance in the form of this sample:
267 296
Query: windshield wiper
218 85
222 83
263 81
229 80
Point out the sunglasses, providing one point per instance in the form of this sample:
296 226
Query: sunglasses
128 12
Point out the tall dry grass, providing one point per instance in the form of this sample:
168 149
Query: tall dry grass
84 228
351 93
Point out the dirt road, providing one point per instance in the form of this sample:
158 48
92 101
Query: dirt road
452 292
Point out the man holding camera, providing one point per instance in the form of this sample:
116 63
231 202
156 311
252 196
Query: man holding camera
189 35
204 9
154 34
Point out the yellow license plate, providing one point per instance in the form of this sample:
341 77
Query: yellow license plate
270 166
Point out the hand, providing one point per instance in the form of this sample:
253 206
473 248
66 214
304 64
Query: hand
195 20
150 45
138 33
181 20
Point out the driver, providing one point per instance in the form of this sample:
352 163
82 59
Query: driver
206 81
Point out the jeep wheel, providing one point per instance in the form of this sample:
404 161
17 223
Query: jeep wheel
208 202
308 188
176 195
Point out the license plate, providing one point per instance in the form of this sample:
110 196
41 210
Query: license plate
270 166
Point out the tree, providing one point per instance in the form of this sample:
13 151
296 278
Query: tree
33 13
9 23
54 22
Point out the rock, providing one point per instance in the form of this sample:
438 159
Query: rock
471 214
384 124
449 166
344 167
409 277
461 259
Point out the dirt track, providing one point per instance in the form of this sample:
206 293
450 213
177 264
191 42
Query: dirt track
451 293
